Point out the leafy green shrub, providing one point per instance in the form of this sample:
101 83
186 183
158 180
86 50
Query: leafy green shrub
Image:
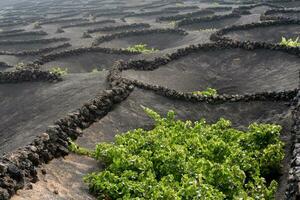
207 93
172 23
140 48
290 42
59 71
184 160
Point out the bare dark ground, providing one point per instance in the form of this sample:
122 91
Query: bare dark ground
236 71
290 15
270 34
26 109
158 41
87 62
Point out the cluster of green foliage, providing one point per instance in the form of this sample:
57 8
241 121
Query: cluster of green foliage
20 66
140 48
290 42
59 71
36 25
172 23
184 160
73 147
207 93
179 4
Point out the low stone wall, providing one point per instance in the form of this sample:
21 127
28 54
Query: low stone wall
293 191
219 8
12 31
35 52
206 19
2 25
38 41
61 21
121 27
185 16
5 65
152 13
219 35
181 8
28 75
115 78
248 7
89 23
113 14
18 169
33 33
79 51
220 45
110 37
268 14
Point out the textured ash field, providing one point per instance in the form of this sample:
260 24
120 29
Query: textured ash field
89 39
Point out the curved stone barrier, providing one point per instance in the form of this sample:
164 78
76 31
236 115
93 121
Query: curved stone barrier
12 31
117 13
110 37
219 35
5 65
61 21
120 27
38 41
75 52
181 8
33 33
19 167
28 75
186 16
244 10
276 14
206 19
83 24
35 52
115 73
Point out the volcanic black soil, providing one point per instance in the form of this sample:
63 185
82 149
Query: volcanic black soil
236 71
271 34
28 108
32 34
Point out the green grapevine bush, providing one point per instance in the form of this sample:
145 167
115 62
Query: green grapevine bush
185 160
290 42
59 71
140 48
207 93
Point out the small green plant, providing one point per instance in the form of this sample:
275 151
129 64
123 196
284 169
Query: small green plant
59 71
140 48
179 4
73 147
173 23
290 42
37 25
207 93
185 160
20 66
97 70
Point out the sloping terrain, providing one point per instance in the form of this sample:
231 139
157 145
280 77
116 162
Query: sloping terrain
100 84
